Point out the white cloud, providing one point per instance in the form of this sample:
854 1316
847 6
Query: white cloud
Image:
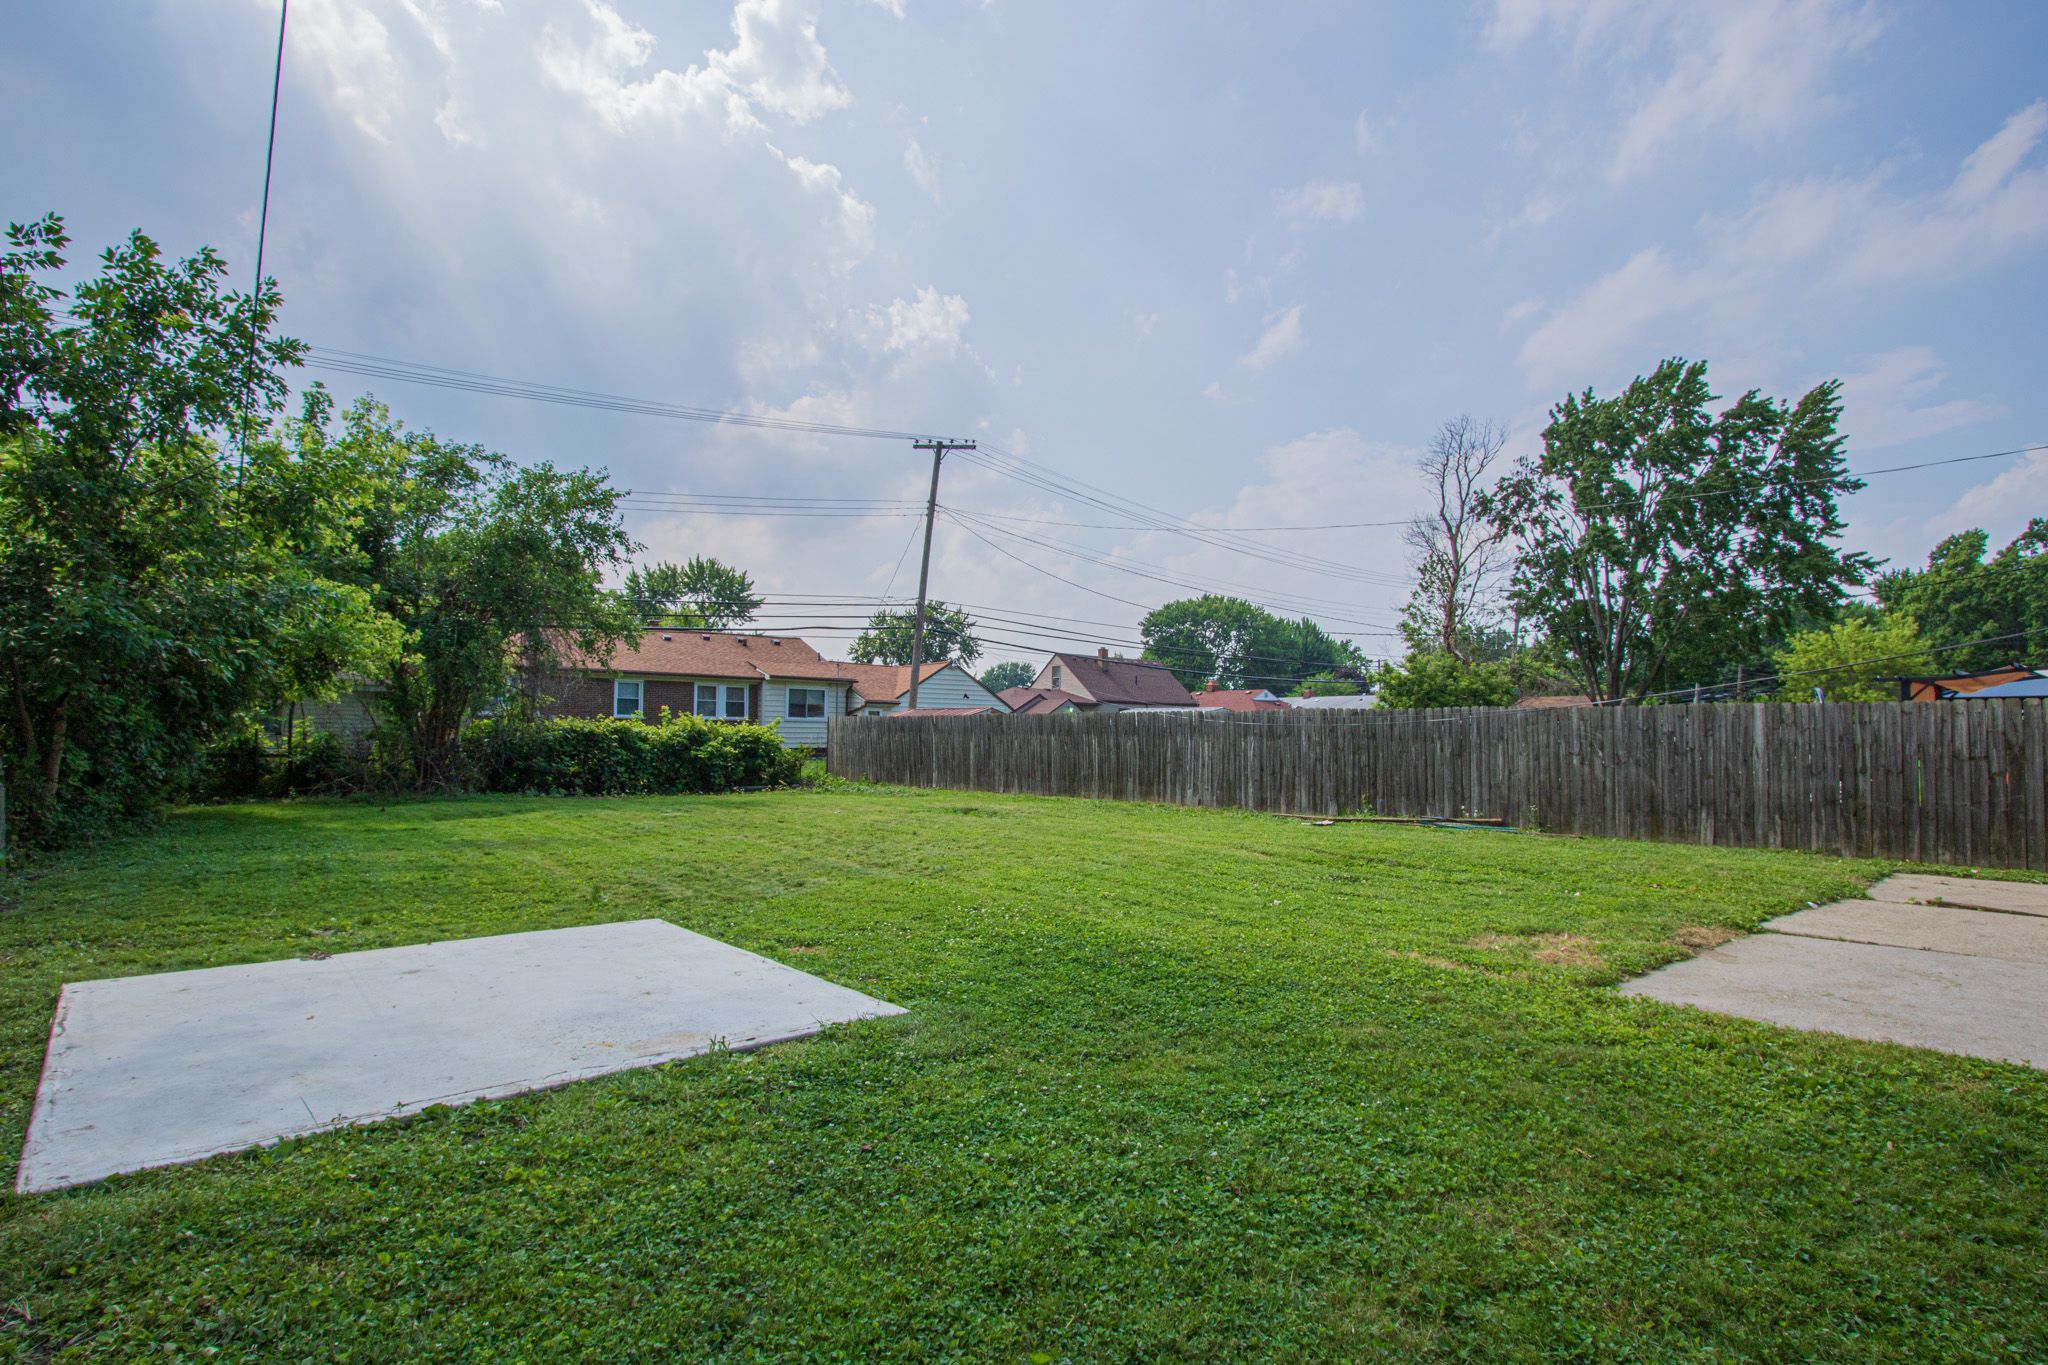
923 330
1364 135
856 215
1761 67
894 7
1323 201
1213 391
779 61
1999 506
1597 329
776 64
352 49
1807 237
2002 505
1281 338
1520 311
1881 407
1540 209
922 169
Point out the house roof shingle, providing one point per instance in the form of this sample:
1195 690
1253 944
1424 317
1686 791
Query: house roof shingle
1125 682
1239 699
1038 701
714 654
887 682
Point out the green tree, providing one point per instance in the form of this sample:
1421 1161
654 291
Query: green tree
149 593
1960 598
485 565
996 677
1240 644
1848 660
1434 678
948 634
1658 539
700 595
1331 684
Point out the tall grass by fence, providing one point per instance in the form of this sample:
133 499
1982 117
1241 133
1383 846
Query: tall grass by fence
1947 782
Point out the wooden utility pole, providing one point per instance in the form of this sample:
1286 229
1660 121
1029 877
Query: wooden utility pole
924 568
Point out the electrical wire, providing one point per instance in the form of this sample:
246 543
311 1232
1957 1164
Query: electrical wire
365 365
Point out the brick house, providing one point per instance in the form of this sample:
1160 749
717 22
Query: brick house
722 676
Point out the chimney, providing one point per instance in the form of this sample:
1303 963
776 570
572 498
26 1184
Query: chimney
1102 651
1212 686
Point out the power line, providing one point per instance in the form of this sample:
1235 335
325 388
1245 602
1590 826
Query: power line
263 222
472 381
1286 603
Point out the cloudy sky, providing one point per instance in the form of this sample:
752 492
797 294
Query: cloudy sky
1231 261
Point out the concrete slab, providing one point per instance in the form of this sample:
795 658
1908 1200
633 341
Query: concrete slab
1973 893
1977 1006
149 1071
1976 933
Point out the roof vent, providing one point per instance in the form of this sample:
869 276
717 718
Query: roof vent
775 642
704 637
669 638
1102 652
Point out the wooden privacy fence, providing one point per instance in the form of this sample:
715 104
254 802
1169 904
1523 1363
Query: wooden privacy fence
1947 782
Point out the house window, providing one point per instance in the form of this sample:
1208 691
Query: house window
807 703
1056 678
707 700
735 703
626 697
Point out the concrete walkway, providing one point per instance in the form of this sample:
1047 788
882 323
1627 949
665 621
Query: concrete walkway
1951 963
154 1070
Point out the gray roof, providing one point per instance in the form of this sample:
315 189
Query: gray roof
2019 687
1362 702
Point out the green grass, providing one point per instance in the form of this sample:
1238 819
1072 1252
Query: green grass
1174 1084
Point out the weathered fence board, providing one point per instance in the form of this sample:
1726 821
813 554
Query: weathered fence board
1950 782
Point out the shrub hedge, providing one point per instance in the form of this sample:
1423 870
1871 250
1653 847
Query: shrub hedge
602 757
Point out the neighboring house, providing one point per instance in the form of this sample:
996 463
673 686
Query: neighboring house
721 676
351 715
948 711
1363 701
880 689
1945 686
1099 683
1040 701
1214 698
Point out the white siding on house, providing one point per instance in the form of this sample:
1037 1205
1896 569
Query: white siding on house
800 732
950 686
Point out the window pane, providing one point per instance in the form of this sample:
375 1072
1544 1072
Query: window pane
807 703
735 703
625 698
707 699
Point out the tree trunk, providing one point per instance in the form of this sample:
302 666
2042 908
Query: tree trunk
24 723
53 758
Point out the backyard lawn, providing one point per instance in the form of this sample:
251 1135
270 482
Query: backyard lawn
1174 1084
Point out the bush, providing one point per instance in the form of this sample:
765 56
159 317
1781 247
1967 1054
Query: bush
1432 678
250 762
602 757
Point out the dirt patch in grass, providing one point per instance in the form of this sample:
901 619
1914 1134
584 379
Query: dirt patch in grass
806 949
1566 950
1700 937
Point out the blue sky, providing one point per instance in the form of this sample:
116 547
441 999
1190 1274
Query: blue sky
1234 261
